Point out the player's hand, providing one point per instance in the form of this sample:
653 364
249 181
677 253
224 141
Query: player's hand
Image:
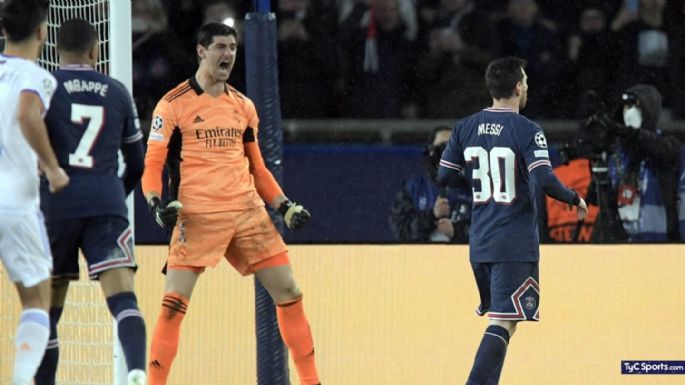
57 178
295 215
165 216
446 227
441 208
581 210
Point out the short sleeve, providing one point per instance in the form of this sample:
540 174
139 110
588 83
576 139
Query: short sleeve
41 83
534 147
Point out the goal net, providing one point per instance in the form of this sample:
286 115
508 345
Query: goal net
88 351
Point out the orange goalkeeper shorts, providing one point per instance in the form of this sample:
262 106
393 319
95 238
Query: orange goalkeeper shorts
245 238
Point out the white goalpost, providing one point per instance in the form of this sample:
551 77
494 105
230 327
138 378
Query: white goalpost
89 350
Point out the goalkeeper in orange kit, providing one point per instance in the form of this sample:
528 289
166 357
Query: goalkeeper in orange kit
205 132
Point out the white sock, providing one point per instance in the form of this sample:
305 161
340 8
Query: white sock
30 341
137 377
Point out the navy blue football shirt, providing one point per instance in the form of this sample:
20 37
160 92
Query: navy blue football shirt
498 150
92 116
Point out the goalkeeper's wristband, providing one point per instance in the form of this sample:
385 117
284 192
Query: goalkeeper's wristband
284 207
153 203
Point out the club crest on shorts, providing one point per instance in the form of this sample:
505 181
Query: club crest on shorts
529 303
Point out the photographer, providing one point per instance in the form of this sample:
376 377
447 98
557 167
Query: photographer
644 168
424 212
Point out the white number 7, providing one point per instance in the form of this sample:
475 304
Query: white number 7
95 115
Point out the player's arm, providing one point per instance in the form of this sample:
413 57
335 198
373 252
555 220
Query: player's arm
30 111
132 148
451 169
162 126
541 174
135 164
543 177
294 215
269 190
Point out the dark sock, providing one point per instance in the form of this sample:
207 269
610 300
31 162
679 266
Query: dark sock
490 356
494 377
130 327
47 371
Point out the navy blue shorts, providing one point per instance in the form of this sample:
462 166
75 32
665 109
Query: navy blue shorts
106 243
508 290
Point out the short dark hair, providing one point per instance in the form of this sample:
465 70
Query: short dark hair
435 131
502 75
21 17
206 35
76 35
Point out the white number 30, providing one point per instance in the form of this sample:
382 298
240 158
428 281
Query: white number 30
495 170
95 115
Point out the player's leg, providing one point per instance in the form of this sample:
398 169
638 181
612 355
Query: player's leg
194 244
489 360
117 286
26 255
47 371
258 248
494 377
31 336
107 245
491 351
514 297
65 238
178 289
292 321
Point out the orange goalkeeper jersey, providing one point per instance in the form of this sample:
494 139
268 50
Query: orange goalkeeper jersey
201 139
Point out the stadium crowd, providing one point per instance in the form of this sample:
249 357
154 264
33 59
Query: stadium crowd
425 58
376 59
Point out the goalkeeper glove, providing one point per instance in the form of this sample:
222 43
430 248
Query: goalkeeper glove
295 215
164 216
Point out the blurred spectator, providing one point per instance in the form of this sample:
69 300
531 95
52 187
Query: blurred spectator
422 211
376 46
184 16
525 34
307 61
592 60
461 43
652 51
226 11
645 168
156 53
223 11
